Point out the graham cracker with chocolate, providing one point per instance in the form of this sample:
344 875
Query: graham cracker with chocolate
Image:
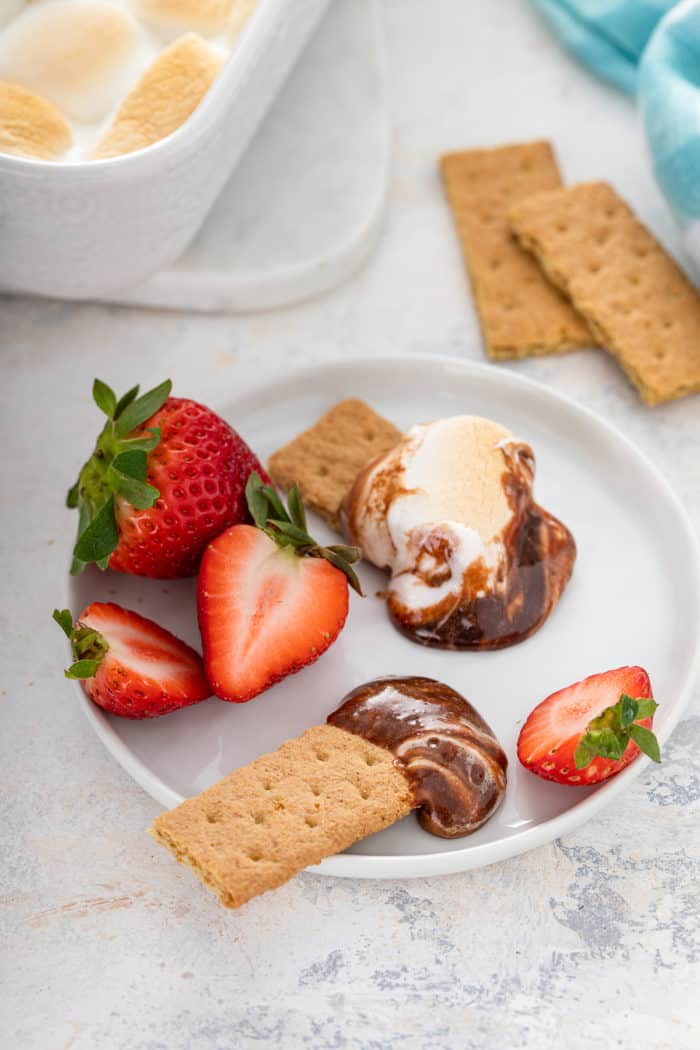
521 312
325 459
636 299
259 826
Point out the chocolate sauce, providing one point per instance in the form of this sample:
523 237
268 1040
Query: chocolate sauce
538 555
450 756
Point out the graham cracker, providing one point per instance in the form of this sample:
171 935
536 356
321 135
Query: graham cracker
259 826
636 299
521 312
325 459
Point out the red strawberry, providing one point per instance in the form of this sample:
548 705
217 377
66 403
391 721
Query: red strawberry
270 600
591 730
129 665
166 476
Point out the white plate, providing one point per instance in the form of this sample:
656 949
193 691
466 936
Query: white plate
634 598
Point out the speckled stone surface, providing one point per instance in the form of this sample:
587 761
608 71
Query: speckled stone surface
105 943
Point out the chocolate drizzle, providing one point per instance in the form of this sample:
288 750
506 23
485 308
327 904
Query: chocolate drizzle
453 761
539 556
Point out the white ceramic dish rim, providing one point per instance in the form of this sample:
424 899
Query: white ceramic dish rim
347 865
207 112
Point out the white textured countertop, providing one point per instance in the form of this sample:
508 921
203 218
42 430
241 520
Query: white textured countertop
106 943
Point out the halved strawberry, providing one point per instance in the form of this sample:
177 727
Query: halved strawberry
589 731
130 666
270 599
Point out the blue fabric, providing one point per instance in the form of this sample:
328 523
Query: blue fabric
650 48
608 36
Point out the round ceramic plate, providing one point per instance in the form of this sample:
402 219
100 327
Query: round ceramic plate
634 598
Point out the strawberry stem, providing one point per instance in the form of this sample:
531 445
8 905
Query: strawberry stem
610 732
287 527
117 467
87 645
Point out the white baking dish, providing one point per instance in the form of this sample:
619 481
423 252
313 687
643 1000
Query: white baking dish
92 229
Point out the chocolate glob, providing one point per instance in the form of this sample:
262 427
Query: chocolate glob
450 756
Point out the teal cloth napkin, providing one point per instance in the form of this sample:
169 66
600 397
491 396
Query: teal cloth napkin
650 48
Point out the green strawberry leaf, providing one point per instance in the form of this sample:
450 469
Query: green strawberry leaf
299 537
608 743
144 443
256 499
645 709
82 669
585 752
134 463
125 400
73 496
105 398
608 734
350 554
646 742
275 504
139 494
77 565
340 563
628 710
100 537
141 409
118 466
64 619
296 508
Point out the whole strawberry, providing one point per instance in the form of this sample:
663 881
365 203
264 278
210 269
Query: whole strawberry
130 666
167 475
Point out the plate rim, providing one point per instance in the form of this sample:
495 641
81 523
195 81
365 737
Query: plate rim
443 862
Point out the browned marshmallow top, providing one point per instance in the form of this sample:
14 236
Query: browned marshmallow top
454 764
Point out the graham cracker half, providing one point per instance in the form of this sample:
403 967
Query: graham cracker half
325 459
636 299
521 312
259 826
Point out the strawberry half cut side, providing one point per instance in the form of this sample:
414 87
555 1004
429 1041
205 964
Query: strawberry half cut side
270 599
591 730
130 666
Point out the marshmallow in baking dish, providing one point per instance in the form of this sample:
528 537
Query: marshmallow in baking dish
30 126
206 16
165 96
81 55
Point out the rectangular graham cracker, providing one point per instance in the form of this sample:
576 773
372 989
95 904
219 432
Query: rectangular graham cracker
325 459
521 312
636 299
259 826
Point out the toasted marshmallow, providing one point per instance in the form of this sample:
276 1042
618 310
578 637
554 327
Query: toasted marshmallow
475 562
30 126
206 16
433 507
165 96
80 54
